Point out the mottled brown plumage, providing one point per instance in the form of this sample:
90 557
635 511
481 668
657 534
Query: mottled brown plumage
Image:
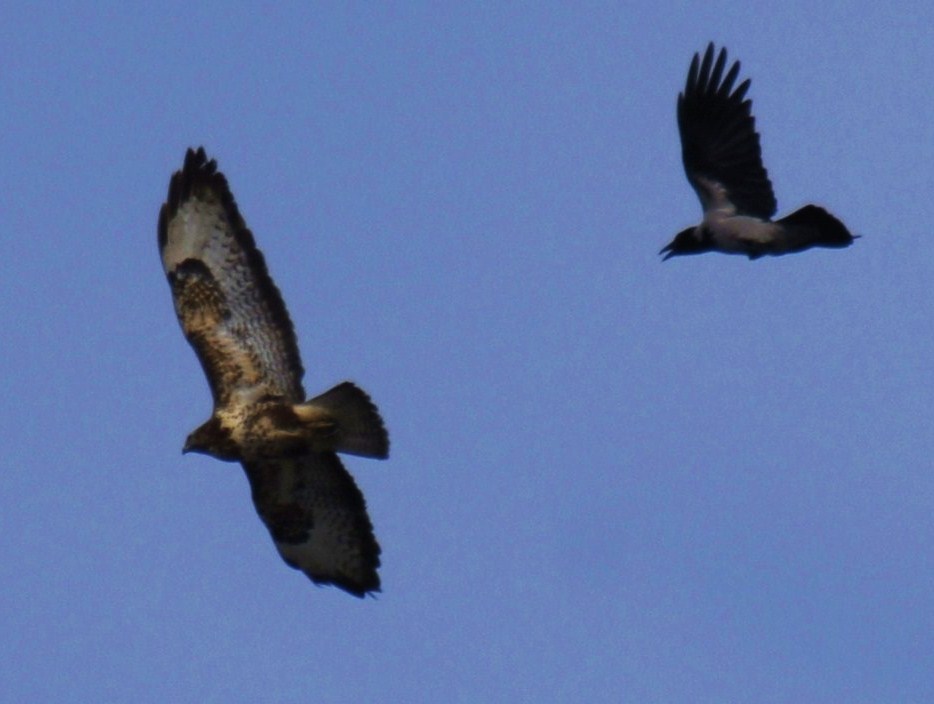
234 317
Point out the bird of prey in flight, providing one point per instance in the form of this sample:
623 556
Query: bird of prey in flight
723 162
233 316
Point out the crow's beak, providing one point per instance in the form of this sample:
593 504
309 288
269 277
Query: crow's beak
670 250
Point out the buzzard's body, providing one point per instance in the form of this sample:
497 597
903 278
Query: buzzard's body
723 162
233 315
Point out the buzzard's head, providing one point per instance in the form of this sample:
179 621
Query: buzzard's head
213 439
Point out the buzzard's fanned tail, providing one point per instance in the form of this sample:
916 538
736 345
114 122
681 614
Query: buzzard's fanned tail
360 429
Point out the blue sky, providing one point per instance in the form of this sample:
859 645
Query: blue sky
611 479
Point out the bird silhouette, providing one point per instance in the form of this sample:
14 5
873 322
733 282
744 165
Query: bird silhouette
723 162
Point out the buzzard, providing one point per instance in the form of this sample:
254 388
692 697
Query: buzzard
233 316
723 162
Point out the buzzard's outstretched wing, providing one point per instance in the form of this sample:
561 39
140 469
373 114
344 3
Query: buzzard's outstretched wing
229 308
317 518
719 142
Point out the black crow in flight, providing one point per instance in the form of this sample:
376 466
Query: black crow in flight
723 162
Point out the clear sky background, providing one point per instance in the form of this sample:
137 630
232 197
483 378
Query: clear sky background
612 479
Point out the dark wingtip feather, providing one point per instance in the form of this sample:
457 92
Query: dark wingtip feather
196 169
359 588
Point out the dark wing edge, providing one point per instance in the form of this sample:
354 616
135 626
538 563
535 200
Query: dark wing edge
198 174
719 142
318 520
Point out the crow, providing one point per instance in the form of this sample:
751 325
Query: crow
723 163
